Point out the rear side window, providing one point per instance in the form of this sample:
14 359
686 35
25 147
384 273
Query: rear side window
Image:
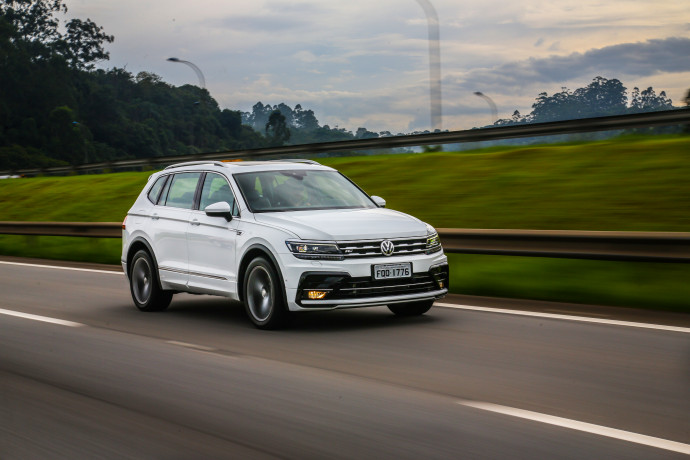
182 190
155 191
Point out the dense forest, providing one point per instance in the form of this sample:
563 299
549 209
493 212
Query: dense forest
57 107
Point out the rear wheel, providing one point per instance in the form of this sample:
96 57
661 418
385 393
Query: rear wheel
263 295
411 308
144 285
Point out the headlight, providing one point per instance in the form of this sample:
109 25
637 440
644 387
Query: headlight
314 250
433 242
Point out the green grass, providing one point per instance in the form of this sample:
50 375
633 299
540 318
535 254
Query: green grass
638 184
89 198
631 184
654 286
628 185
97 250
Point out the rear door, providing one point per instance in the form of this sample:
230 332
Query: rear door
171 219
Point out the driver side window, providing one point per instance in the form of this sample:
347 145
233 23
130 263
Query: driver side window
215 189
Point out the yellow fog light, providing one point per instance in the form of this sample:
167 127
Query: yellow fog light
440 284
316 295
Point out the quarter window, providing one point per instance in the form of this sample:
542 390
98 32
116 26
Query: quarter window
155 191
182 190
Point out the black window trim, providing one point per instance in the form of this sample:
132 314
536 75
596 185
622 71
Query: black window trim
197 192
160 192
164 193
200 185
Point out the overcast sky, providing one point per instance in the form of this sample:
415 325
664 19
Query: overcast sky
363 63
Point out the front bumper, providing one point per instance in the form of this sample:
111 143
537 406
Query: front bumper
346 291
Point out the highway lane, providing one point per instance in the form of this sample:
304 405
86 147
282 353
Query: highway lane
199 379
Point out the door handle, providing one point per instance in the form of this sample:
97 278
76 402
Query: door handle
155 217
196 222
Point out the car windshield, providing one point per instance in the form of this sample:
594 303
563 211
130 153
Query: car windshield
299 190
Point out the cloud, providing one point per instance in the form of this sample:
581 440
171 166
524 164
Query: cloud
305 56
555 46
363 63
628 59
271 23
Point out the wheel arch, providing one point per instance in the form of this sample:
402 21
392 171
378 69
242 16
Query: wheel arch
138 244
253 251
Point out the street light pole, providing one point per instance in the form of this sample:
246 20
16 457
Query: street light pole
202 80
494 110
434 63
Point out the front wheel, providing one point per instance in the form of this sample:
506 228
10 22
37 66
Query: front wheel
263 295
144 285
411 308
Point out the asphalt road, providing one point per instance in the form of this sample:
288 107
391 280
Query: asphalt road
199 381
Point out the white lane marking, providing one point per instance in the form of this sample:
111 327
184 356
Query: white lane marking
584 319
56 267
572 312
192 346
45 319
581 426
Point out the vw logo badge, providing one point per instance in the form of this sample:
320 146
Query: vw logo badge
387 248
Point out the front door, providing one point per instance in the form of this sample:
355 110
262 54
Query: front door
212 241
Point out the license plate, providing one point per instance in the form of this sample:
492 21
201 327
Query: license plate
390 271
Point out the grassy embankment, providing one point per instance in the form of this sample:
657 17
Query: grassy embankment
624 184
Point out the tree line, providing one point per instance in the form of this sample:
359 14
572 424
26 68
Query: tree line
602 97
302 125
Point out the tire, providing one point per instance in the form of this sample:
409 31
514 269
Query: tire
144 284
411 308
263 295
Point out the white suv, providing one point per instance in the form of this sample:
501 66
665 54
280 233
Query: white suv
281 236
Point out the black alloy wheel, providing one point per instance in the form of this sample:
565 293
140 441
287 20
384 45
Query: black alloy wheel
145 286
263 295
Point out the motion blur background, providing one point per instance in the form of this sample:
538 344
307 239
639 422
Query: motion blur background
96 81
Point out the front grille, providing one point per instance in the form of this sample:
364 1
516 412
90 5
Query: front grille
372 248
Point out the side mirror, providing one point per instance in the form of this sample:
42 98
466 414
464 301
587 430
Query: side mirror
380 202
220 209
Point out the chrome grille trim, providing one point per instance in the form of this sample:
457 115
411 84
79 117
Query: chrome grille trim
372 248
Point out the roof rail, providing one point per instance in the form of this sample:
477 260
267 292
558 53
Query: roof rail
297 160
191 163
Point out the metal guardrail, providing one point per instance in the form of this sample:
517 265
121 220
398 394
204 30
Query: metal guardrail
570 244
617 122
565 244
83 229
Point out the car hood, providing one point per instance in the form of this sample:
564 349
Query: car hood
345 224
